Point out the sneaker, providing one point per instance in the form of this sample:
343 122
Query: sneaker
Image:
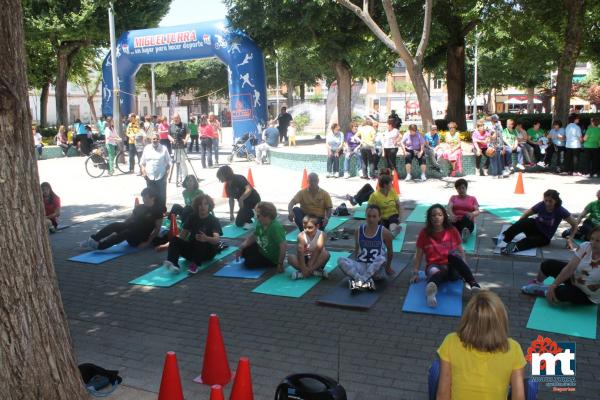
481 173
431 291
321 272
541 164
408 177
520 166
52 229
171 267
505 174
247 226
296 275
347 175
353 286
509 249
474 286
370 285
193 268
351 199
423 178
464 234
89 244
535 289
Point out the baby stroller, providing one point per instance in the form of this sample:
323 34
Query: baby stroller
244 148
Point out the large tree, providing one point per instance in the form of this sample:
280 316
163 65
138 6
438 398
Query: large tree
35 345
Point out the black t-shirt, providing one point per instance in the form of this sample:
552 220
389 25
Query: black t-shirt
284 119
178 131
208 225
143 219
237 186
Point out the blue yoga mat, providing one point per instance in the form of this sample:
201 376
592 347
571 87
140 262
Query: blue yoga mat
236 269
232 231
100 256
419 214
449 298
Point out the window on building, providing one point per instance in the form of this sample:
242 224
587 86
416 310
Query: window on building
399 67
73 112
438 83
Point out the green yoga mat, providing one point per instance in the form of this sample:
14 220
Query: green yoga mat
333 223
283 285
399 239
292 236
360 212
232 231
469 245
419 214
567 319
507 214
162 277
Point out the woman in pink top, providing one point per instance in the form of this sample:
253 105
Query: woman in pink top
207 135
463 209
163 133
480 138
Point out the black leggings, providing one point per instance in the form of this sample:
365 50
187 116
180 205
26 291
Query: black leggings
591 161
183 212
566 291
368 161
253 258
116 232
246 212
390 157
478 159
572 160
456 267
537 152
533 236
363 194
192 250
464 222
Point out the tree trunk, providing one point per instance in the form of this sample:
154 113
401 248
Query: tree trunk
44 104
418 80
343 75
35 344
455 81
65 55
204 105
290 94
568 59
90 101
302 92
530 97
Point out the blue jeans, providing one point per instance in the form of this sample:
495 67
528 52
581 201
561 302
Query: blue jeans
348 157
215 149
497 163
508 156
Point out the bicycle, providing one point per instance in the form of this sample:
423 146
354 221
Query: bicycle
97 162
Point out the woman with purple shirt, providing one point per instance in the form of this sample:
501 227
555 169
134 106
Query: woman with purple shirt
352 150
480 138
539 230
414 147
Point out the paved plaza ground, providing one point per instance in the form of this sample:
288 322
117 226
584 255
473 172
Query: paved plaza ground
382 353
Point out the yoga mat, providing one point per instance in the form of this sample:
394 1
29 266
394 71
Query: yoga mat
449 298
507 214
232 231
332 224
567 319
342 297
360 212
500 244
236 269
283 285
100 256
292 236
162 277
469 245
399 239
419 214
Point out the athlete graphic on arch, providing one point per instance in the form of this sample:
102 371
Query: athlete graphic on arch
247 59
246 80
256 98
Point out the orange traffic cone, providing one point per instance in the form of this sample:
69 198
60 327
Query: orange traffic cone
304 179
216 392
519 189
136 202
250 178
225 195
170 384
395 183
174 229
215 369
242 385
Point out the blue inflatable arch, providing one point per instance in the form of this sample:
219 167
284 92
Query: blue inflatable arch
244 60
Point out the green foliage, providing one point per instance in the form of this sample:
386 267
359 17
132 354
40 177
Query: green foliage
49 132
301 121
527 120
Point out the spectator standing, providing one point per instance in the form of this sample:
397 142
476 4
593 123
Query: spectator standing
390 144
366 135
573 139
112 142
37 141
193 135
206 137
132 133
283 119
163 133
216 139
155 164
591 144
149 128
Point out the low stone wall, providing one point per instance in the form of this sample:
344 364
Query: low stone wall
49 152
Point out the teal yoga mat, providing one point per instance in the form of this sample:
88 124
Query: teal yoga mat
399 239
360 212
283 285
162 277
419 214
507 214
292 236
334 222
567 319
469 245
232 231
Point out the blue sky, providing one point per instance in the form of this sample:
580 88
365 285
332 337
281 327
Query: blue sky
190 11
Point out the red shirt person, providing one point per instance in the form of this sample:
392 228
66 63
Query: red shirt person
51 206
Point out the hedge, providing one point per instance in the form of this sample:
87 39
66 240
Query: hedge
528 120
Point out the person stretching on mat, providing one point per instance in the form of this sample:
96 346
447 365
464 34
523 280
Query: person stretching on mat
238 188
190 192
266 246
444 256
313 201
388 202
539 230
591 213
479 360
373 252
577 281
51 207
311 255
199 239
139 230
463 209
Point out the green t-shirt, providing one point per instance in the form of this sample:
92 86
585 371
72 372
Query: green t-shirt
509 136
193 129
189 196
593 138
534 135
269 239
594 212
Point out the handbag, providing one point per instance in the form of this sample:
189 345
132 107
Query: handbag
97 378
490 152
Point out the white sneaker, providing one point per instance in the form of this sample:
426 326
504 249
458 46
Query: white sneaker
170 266
520 166
247 226
321 272
296 275
541 164
431 291
346 175
89 244
408 177
423 178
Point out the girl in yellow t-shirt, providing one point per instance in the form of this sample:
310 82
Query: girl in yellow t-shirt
479 360
388 202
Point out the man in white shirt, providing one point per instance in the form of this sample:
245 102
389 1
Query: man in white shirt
155 164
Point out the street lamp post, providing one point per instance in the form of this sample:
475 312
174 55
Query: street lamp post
475 82
115 76
276 84
153 89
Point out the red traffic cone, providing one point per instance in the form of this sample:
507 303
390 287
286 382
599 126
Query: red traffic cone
225 195
215 369
519 189
170 384
304 179
395 183
242 385
250 178
216 392
136 202
174 229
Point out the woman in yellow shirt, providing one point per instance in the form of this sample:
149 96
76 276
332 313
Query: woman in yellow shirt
388 202
480 361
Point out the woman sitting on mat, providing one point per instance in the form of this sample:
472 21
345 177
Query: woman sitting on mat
265 247
311 255
479 360
577 281
463 209
238 188
591 213
51 207
190 192
373 251
388 202
139 230
539 230
199 239
444 256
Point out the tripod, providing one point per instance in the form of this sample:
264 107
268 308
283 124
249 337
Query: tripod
179 159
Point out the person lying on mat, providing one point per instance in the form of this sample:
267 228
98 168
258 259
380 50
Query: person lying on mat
591 214
444 255
266 246
388 202
463 209
539 230
199 239
313 201
373 253
139 230
311 254
51 207
479 360
238 188
576 281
